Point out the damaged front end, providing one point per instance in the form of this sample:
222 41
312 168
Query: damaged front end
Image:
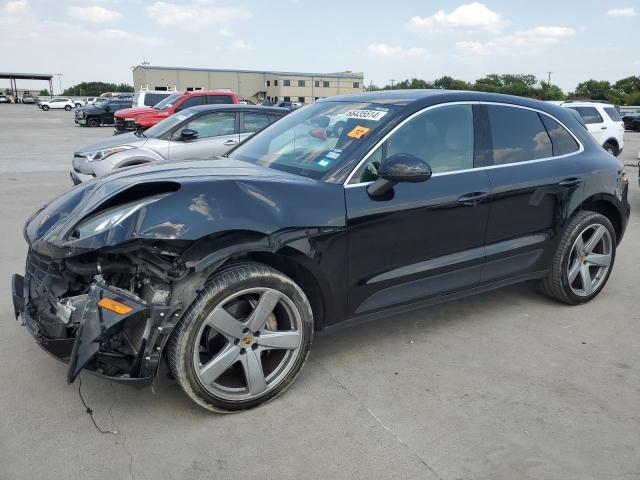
105 313
113 262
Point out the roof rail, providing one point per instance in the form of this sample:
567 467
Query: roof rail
587 100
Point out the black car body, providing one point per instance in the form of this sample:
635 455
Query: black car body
101 112
632 122
359 244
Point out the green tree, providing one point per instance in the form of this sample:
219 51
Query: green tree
94 89
450 83
594 90
628 85
44 92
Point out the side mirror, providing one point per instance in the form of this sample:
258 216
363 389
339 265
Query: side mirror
188 134
401 167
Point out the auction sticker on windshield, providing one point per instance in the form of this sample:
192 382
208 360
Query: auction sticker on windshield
373 115
358 132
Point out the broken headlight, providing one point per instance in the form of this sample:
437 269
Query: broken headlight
107 219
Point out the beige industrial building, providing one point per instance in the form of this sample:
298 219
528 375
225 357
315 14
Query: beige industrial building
250 85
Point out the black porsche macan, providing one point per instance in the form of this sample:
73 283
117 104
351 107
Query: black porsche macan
348 209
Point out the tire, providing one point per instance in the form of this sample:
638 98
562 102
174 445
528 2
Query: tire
567 277
78 105
611 148
93 122
212 353
45 107
67 108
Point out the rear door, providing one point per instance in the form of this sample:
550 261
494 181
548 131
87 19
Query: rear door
536 180
252 122
595 123
217 133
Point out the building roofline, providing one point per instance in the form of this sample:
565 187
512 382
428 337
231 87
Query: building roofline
26 76
357 75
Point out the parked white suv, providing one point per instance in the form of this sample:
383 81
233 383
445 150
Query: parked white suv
603 122
65 103
149 98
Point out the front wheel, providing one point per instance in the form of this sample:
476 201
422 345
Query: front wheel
93 122
583 261
45 107
243 340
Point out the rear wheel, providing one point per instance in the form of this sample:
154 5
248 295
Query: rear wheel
583 261
45 107
67 108
611 148
243 340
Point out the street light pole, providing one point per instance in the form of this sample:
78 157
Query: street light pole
59 81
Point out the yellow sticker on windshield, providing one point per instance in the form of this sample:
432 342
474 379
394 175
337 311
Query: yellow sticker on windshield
358 132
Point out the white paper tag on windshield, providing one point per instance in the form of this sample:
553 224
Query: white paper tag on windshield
373 115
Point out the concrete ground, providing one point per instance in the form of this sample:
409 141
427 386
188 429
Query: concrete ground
506 385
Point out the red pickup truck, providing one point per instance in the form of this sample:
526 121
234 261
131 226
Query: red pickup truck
130 119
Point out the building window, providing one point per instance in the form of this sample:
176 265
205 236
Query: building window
268 83
161 89
301 99
317 98
325 84
286 83
317 83
286 99
301 83
356 84
194 89
275 83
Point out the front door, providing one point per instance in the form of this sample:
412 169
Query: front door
426 239
217 133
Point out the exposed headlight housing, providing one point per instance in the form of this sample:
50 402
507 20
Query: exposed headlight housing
107 219
96 155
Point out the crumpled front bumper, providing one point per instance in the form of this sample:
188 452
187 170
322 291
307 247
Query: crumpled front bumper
89 348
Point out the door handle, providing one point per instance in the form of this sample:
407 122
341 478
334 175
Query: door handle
473 198
230 142
570 182
603 128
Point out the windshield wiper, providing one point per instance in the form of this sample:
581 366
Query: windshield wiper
139 133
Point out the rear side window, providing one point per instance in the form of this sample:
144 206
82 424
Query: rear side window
150 99
517 135
254 122
613 114
219 99
588 114
562 141
191 102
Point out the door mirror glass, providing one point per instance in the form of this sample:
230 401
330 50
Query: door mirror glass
188 134
401 167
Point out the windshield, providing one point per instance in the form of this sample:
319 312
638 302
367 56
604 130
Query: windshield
168 124
314 139
168 102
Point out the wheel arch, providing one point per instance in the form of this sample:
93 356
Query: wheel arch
610 207
612 141
288 255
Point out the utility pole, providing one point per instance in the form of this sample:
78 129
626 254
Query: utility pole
546 89
392 83
549 78
59 81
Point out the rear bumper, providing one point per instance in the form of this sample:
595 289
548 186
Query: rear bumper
97 330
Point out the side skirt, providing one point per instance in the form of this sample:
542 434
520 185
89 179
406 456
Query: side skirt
361 319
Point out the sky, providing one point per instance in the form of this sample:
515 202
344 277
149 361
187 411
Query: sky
103 39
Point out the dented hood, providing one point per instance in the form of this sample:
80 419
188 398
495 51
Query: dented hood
184 201
133 112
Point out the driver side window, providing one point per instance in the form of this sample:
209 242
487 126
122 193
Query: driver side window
443 137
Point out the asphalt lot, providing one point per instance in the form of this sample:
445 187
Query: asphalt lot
505 385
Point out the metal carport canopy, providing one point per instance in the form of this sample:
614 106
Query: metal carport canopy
12 77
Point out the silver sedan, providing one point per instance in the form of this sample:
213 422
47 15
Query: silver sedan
199 132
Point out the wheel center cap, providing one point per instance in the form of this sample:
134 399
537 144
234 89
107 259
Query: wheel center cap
246 340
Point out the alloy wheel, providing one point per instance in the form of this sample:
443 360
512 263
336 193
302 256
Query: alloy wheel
248 344
590 260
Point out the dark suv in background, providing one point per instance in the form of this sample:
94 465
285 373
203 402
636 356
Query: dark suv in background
101 112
